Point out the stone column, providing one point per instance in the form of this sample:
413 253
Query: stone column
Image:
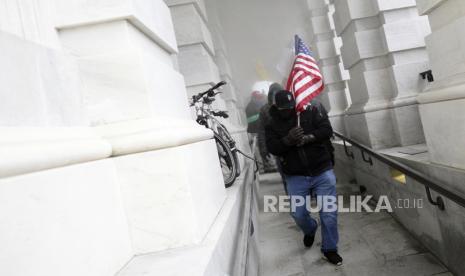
229 94
196 49
383 49
203 59
442 105
403 33
326 47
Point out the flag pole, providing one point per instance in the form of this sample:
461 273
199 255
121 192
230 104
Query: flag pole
296 50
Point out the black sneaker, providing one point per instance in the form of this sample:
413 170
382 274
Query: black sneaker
333 257
308 240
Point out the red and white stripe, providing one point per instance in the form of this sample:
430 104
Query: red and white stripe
305 80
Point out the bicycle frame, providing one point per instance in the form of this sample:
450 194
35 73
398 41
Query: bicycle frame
203 112
226 146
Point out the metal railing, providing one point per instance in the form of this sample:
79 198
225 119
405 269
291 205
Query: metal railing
420 177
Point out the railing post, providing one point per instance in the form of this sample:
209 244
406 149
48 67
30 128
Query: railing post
367 159
439 201
346 149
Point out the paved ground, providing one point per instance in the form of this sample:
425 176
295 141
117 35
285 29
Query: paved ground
370 243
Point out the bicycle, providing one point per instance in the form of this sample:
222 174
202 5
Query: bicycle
226 146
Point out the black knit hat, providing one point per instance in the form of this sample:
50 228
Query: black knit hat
284 100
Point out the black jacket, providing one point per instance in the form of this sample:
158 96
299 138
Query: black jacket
265 119
252 112
311 159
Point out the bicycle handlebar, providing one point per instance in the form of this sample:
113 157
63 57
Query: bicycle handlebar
210 92
218 85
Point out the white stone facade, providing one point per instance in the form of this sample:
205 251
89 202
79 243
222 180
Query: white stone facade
102 160
442 104
384 51
203 54
326 46
105 172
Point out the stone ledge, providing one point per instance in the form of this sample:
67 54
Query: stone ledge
451 93
31 149
146 135
395 4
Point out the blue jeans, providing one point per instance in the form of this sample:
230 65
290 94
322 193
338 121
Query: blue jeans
321 185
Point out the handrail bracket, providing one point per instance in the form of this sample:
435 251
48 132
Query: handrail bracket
439 201
347 151
367 158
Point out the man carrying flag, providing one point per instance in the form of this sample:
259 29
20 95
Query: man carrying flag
298 134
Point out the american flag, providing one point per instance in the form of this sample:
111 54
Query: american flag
305 80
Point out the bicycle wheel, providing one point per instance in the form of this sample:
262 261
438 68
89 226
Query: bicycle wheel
224 134
227 161
238 165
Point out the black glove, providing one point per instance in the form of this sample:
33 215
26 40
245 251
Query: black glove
264 154
307 139
294 136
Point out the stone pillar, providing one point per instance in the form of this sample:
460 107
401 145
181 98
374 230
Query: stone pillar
383 49
203 60
222 60
138 101
403 33
442 105
196 49
327 50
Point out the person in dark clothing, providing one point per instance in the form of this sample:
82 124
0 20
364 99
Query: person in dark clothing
307 165
265 118
252 111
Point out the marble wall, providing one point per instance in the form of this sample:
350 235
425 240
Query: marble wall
326 48
31 20
384 51
90 81
443 101
196 50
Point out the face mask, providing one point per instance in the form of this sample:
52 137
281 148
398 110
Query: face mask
286 113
